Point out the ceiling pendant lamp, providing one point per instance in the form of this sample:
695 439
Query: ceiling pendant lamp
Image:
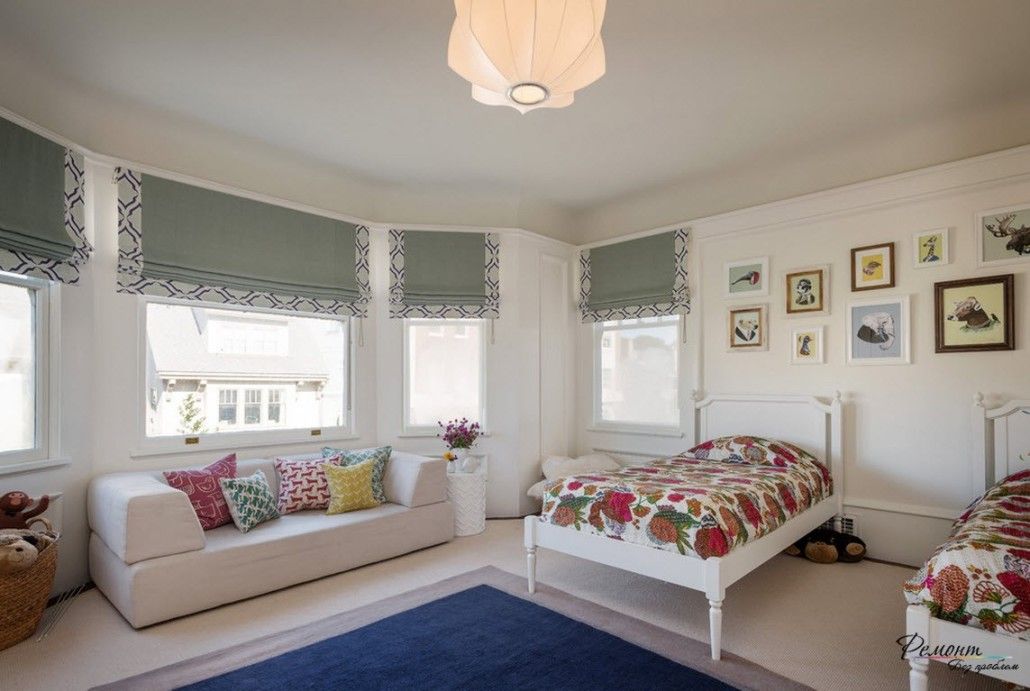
527 54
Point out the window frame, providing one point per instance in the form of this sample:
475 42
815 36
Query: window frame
240 436
409 430
597 422
46 341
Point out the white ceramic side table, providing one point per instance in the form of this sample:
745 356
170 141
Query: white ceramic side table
467 493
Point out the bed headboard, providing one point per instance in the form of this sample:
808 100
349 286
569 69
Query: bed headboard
1001 440
805 421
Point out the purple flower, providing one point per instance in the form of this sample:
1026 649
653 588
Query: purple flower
459 434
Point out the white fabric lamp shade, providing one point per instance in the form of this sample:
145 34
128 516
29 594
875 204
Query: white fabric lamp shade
527 54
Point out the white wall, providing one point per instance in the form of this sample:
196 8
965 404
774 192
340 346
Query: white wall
907 436
101 382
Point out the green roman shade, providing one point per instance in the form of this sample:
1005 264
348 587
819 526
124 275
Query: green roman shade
643 277
180 240
441 274
41 206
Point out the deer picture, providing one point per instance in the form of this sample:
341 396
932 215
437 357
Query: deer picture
1019 238
973 314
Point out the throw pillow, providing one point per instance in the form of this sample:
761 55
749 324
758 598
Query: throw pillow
205 494
557 467
748 449
302 484
350 487
250 500
379 454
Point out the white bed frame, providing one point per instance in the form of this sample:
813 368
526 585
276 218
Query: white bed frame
994 458
802 420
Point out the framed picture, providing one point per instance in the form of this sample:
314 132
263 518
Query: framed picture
974 314
878 331
1003 236
808 291
746 278
806 346
747 328
872 267
930 248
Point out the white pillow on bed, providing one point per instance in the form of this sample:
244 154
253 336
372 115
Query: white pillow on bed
537 491
555 467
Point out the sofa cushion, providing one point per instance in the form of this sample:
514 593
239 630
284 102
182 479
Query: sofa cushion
250 500
350 487
381 455
203 490
302 484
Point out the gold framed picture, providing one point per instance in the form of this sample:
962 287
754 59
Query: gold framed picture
974 314
747 328
872 267
808 291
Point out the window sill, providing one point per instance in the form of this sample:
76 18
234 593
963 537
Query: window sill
29 466
670 432
180 448
428 434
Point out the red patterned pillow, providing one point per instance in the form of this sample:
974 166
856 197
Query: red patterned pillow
204 492
302 484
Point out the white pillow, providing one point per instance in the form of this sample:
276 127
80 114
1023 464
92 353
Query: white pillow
555 467
537 490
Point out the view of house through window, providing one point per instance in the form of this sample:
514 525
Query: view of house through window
637 366
212 370
444 371
17 367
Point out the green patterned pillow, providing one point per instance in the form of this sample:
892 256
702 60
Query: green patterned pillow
250 500
379 454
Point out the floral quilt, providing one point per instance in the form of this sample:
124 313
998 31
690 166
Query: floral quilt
981 575
689 505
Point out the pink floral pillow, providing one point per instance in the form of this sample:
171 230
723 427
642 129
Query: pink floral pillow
204 492
302 484
752 450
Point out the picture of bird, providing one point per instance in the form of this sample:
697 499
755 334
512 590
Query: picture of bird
870 267
751 278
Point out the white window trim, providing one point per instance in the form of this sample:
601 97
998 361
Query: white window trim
412 431
47 319
598 424
221 441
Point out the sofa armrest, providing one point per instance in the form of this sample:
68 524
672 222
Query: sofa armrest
139 517
414 480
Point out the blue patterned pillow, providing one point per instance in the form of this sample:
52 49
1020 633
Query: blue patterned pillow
379 454
250 500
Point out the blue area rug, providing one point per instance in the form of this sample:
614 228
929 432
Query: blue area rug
480 638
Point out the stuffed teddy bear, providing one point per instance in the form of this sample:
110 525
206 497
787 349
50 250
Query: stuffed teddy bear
824 546
16 554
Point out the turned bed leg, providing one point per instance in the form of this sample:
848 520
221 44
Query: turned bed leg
715 627
918 680
531 568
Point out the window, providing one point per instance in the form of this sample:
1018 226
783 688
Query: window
214 370
444 372
636 373
24 322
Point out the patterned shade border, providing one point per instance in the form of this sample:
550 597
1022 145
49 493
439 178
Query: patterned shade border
62 270
132 280
679 301
489 310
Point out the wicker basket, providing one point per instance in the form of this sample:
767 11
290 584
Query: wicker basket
23 597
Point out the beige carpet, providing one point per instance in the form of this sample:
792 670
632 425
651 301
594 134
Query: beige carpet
830 627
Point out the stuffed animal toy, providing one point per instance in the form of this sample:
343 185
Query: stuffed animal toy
824 546
16 554
16 509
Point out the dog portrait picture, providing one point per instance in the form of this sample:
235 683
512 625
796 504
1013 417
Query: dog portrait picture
975 314
930 248
747 328
878 332
806 291
747 278
872 267
1004 235
807 346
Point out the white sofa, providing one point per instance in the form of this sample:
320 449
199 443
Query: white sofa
150 557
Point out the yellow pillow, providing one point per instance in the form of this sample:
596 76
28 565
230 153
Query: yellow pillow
350 487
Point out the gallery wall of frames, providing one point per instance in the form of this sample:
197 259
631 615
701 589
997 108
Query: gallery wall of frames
908 294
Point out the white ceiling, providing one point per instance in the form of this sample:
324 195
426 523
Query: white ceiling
716 104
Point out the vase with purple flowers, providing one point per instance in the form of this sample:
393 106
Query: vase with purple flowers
460 436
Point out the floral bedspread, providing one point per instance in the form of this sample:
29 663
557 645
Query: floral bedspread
981 575
687 505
